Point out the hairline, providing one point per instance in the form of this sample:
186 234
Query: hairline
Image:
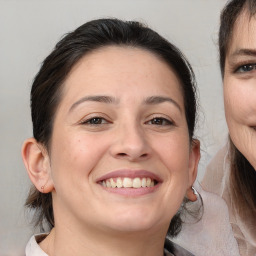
250 13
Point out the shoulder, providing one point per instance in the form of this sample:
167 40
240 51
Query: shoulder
33 248
212 235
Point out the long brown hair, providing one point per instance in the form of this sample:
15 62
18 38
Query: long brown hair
243 182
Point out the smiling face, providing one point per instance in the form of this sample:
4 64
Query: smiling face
240 87
120 155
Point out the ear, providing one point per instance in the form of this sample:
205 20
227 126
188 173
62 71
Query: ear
193 167
37 163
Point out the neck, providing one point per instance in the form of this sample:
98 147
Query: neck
66 242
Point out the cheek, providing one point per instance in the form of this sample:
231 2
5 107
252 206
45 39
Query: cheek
240 103
74 157
174 153
234 105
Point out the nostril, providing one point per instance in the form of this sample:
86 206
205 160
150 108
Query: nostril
121 154
124 154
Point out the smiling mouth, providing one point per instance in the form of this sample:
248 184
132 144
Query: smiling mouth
126 182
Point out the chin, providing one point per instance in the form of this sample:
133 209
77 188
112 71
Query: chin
131 227
138 222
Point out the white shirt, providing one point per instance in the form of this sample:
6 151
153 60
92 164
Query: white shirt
33 248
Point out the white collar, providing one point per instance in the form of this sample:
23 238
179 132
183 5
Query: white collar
33 248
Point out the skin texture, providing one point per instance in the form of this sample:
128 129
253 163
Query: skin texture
239 87
134 134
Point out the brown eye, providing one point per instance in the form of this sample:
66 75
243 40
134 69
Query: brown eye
95 121
160 121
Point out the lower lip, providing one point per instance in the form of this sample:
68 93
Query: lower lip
132 192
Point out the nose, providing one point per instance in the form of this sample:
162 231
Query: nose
130 143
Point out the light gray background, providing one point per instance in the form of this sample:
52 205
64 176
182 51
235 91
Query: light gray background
30 29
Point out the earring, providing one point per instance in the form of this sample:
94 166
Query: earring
42 189
194 191
195 195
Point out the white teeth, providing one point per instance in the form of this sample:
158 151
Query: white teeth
119 182
108 183
144 182
136 183
128 182
148 182
113 183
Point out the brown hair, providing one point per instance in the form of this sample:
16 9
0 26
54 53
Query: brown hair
243 182
47 86
228 18
242 175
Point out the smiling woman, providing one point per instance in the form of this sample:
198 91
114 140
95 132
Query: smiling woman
113 154
237 44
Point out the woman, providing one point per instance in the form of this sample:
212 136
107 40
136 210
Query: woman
113 154
237 44
231 174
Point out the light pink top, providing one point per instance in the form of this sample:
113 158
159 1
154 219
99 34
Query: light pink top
212 235
216 180
221 231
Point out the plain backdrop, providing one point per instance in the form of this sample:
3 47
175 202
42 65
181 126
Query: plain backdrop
29 31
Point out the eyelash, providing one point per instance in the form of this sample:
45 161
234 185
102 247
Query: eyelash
97 120
244 68
162 120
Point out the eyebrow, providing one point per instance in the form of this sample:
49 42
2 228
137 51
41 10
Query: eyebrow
97 98
243 52
161 99
153 100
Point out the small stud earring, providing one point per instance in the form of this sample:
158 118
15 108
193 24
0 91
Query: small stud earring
42 189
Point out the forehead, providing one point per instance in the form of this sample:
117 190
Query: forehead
244 33
119 67
119 58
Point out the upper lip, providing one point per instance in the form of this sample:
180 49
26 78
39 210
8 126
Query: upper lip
122 173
